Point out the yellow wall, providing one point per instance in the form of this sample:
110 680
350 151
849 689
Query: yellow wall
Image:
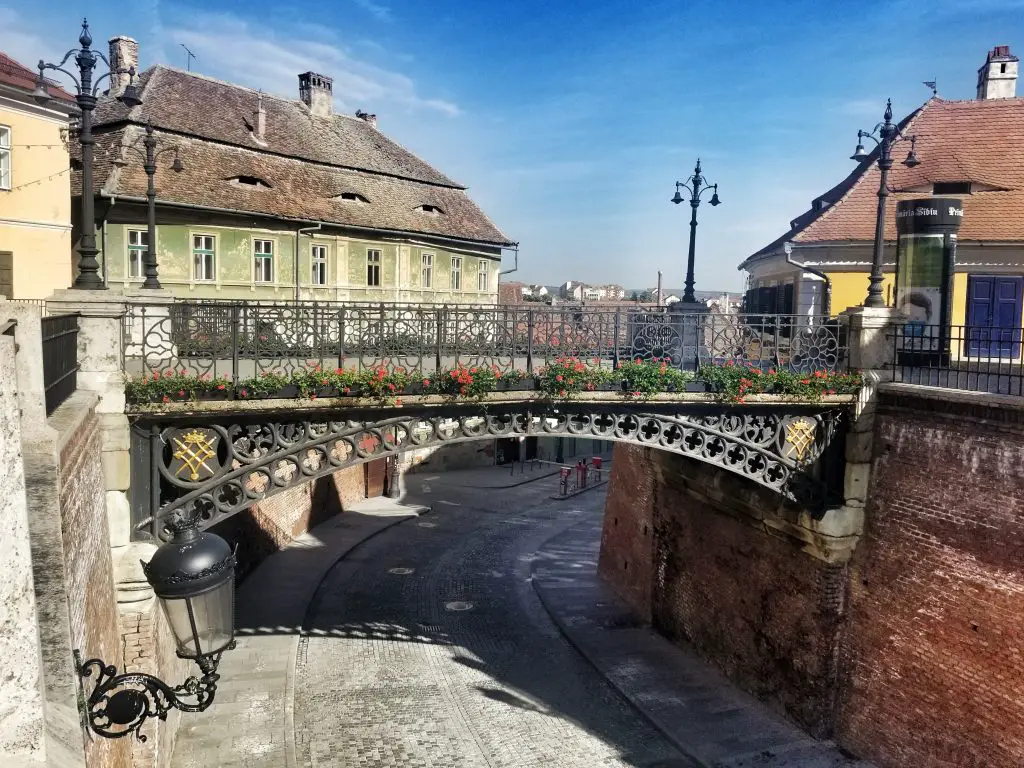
849 289
958 307
35 214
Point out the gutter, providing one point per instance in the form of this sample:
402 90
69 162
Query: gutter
826 304
306 222
516 267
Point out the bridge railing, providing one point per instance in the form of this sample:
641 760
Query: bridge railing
242 339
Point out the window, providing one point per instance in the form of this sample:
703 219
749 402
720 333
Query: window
428 270
204 257
372 267
318 266
263 253
427 208
951 188
351 197
456 273
5 157
138 244
250 181
482 277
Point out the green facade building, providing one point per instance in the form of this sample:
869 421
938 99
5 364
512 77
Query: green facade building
281 200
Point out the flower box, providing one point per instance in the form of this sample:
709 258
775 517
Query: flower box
415 388
288 391
697 386
516 384
214 394
328 392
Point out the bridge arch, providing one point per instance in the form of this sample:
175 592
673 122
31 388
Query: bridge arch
222 464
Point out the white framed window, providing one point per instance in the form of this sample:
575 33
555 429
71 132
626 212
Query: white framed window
318 264
427 272
5 157
204 257
456 273
483 277
138 244
263 260
372 267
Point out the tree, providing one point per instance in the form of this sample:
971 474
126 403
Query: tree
646 296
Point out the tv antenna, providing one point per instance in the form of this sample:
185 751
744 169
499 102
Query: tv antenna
188 58
932 84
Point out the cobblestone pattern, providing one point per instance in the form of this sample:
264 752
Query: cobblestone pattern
935 645
627 540
451 660
88 568
755 605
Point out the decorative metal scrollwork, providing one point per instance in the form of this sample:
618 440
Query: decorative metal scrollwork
119 705
254 460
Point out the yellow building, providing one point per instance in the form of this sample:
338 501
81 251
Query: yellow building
972 150
35 187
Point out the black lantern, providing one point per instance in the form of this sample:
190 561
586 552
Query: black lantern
193 574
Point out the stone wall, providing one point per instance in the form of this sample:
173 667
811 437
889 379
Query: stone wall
934 651
743 596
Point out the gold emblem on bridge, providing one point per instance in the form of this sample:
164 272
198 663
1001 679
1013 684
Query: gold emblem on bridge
800 435
193 449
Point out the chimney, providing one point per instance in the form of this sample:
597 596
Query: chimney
315 92
259 121
997 78
371 119
658 296
124 54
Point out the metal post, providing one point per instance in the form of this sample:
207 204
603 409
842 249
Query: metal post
155 449
152 281
234 344
615 338
438 340
88 278
341 337
688 294
529 340
874 297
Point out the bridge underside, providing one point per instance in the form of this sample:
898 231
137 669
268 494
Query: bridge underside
220 464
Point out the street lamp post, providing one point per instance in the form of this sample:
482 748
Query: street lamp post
888 134
149 158
88 268
193 575
696 185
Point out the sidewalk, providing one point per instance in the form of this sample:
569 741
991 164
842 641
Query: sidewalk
691 703
251 723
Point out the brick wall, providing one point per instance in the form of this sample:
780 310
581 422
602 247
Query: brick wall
751 602
90 583
627 553
933 654
269 525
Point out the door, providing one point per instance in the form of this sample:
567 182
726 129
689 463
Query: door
994 316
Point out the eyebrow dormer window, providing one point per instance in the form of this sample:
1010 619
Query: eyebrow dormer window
250 181
351 197
951 188
430 210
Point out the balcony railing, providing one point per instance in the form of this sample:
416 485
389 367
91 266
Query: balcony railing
241 339
973 358
60 359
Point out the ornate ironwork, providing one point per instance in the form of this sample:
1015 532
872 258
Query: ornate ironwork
258 457
120 705
243 339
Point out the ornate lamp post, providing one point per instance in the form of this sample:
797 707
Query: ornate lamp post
88 268
888 134
695 186
149 157
193 574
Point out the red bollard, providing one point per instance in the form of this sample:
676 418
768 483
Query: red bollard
563 481
596 462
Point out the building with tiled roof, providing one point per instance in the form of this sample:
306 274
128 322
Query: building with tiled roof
971 150
35 192
378 223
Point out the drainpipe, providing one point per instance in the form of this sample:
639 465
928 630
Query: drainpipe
103 236
299 232
515 247
826 303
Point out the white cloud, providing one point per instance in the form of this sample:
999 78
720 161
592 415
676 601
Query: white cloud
228 47
378 11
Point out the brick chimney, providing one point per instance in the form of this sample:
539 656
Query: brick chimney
997 77
371 119
316 93
124 54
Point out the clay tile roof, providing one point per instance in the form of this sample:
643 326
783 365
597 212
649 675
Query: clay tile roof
19 76
306 162
978 141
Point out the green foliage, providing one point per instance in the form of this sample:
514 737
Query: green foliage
568 376
735 382
470 382
171 385
382 384
647 377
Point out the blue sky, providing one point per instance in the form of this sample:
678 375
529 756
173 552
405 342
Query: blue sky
570 121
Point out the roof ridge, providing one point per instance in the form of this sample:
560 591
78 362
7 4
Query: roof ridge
218 81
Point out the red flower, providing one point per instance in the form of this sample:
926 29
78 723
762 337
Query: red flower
805 381
636 394
244 393
338 371
166 399
558 377
181 393
313 396
741 400
562 392
831 391
771 371
346 390
398 401
391 387
729 363
156 375
323 381
220 386
426 382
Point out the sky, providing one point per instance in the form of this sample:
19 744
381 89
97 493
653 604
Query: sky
571 121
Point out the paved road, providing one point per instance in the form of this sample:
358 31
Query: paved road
428 647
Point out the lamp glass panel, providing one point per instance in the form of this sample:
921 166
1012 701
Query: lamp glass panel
210 624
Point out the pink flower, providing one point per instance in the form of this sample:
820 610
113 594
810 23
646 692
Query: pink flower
220 386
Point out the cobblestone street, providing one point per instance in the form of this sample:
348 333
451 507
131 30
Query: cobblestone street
427 646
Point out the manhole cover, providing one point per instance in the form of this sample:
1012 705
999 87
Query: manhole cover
427 525
459 605
400 571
